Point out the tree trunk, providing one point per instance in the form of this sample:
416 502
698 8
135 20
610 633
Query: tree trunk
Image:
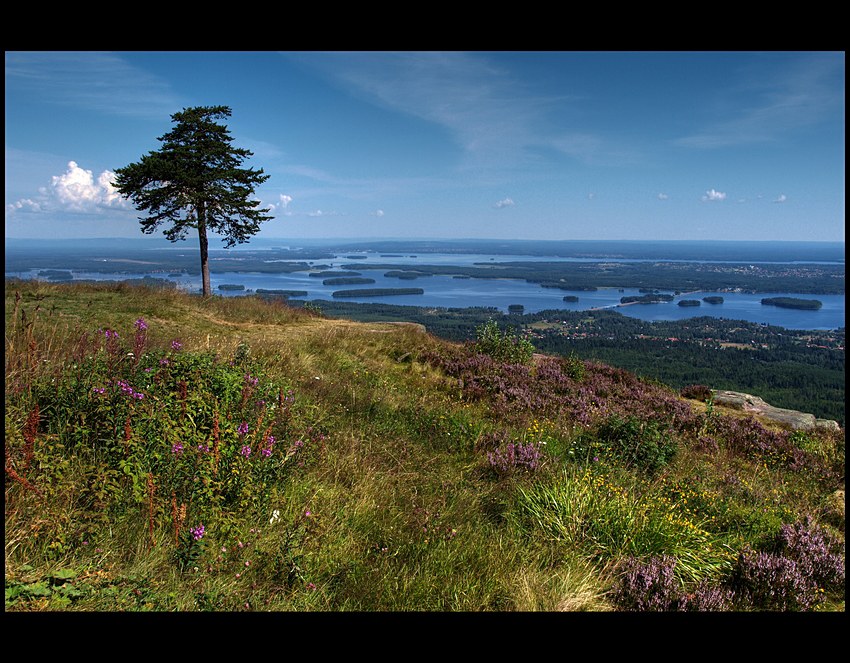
205 262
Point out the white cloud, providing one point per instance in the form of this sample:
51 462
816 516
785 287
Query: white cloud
506 202
782 198
25 205
282 205
711 194
663 196
379 212
319 212
75 190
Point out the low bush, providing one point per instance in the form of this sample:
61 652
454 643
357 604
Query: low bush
507 346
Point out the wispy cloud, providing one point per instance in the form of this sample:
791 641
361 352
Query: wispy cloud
663 196
505 202
490 113
94 81
798 95
781 199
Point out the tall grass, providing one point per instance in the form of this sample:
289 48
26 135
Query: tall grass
171 453
608 519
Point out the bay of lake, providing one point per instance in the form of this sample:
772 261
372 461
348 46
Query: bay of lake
443 291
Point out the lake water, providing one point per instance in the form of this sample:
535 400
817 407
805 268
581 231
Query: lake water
449 292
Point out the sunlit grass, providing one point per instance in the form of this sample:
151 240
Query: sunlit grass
383 496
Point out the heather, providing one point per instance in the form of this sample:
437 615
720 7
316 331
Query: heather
167 452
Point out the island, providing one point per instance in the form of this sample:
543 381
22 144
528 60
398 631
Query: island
713 300
792 302
405 274
571 299
689 302
646 299
283 293
332 273
377 292
348 280
231 286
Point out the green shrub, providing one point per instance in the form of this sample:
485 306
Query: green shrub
507 346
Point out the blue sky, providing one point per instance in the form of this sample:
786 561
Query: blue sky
518 145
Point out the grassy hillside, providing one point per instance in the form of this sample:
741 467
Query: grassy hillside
170 453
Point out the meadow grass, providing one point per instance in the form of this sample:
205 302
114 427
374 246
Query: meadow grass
166 452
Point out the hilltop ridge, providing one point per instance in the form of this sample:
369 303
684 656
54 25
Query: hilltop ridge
240 454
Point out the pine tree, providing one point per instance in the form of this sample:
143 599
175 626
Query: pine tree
196 181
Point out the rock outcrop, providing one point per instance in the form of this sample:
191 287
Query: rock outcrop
789 418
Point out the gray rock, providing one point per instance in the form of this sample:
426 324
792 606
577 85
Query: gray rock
789 418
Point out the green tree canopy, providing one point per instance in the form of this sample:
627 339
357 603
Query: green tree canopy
196 180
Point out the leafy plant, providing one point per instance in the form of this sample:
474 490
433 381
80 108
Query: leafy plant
507 346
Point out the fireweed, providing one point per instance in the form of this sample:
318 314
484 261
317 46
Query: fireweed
176 420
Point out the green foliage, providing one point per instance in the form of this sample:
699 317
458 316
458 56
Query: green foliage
57 589
196 181
507 346
643 445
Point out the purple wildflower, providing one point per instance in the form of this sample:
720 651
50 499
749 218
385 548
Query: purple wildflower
197 532
141 325
243 428
177 449
246 451
176 345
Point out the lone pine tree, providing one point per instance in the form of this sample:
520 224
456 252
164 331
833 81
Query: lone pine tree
196 181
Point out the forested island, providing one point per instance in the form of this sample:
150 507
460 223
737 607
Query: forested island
652 298
335 273
792 302
348 280
407 275
713 300
689 302
282 293
378 292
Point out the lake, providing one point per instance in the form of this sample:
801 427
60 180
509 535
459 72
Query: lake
445 291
